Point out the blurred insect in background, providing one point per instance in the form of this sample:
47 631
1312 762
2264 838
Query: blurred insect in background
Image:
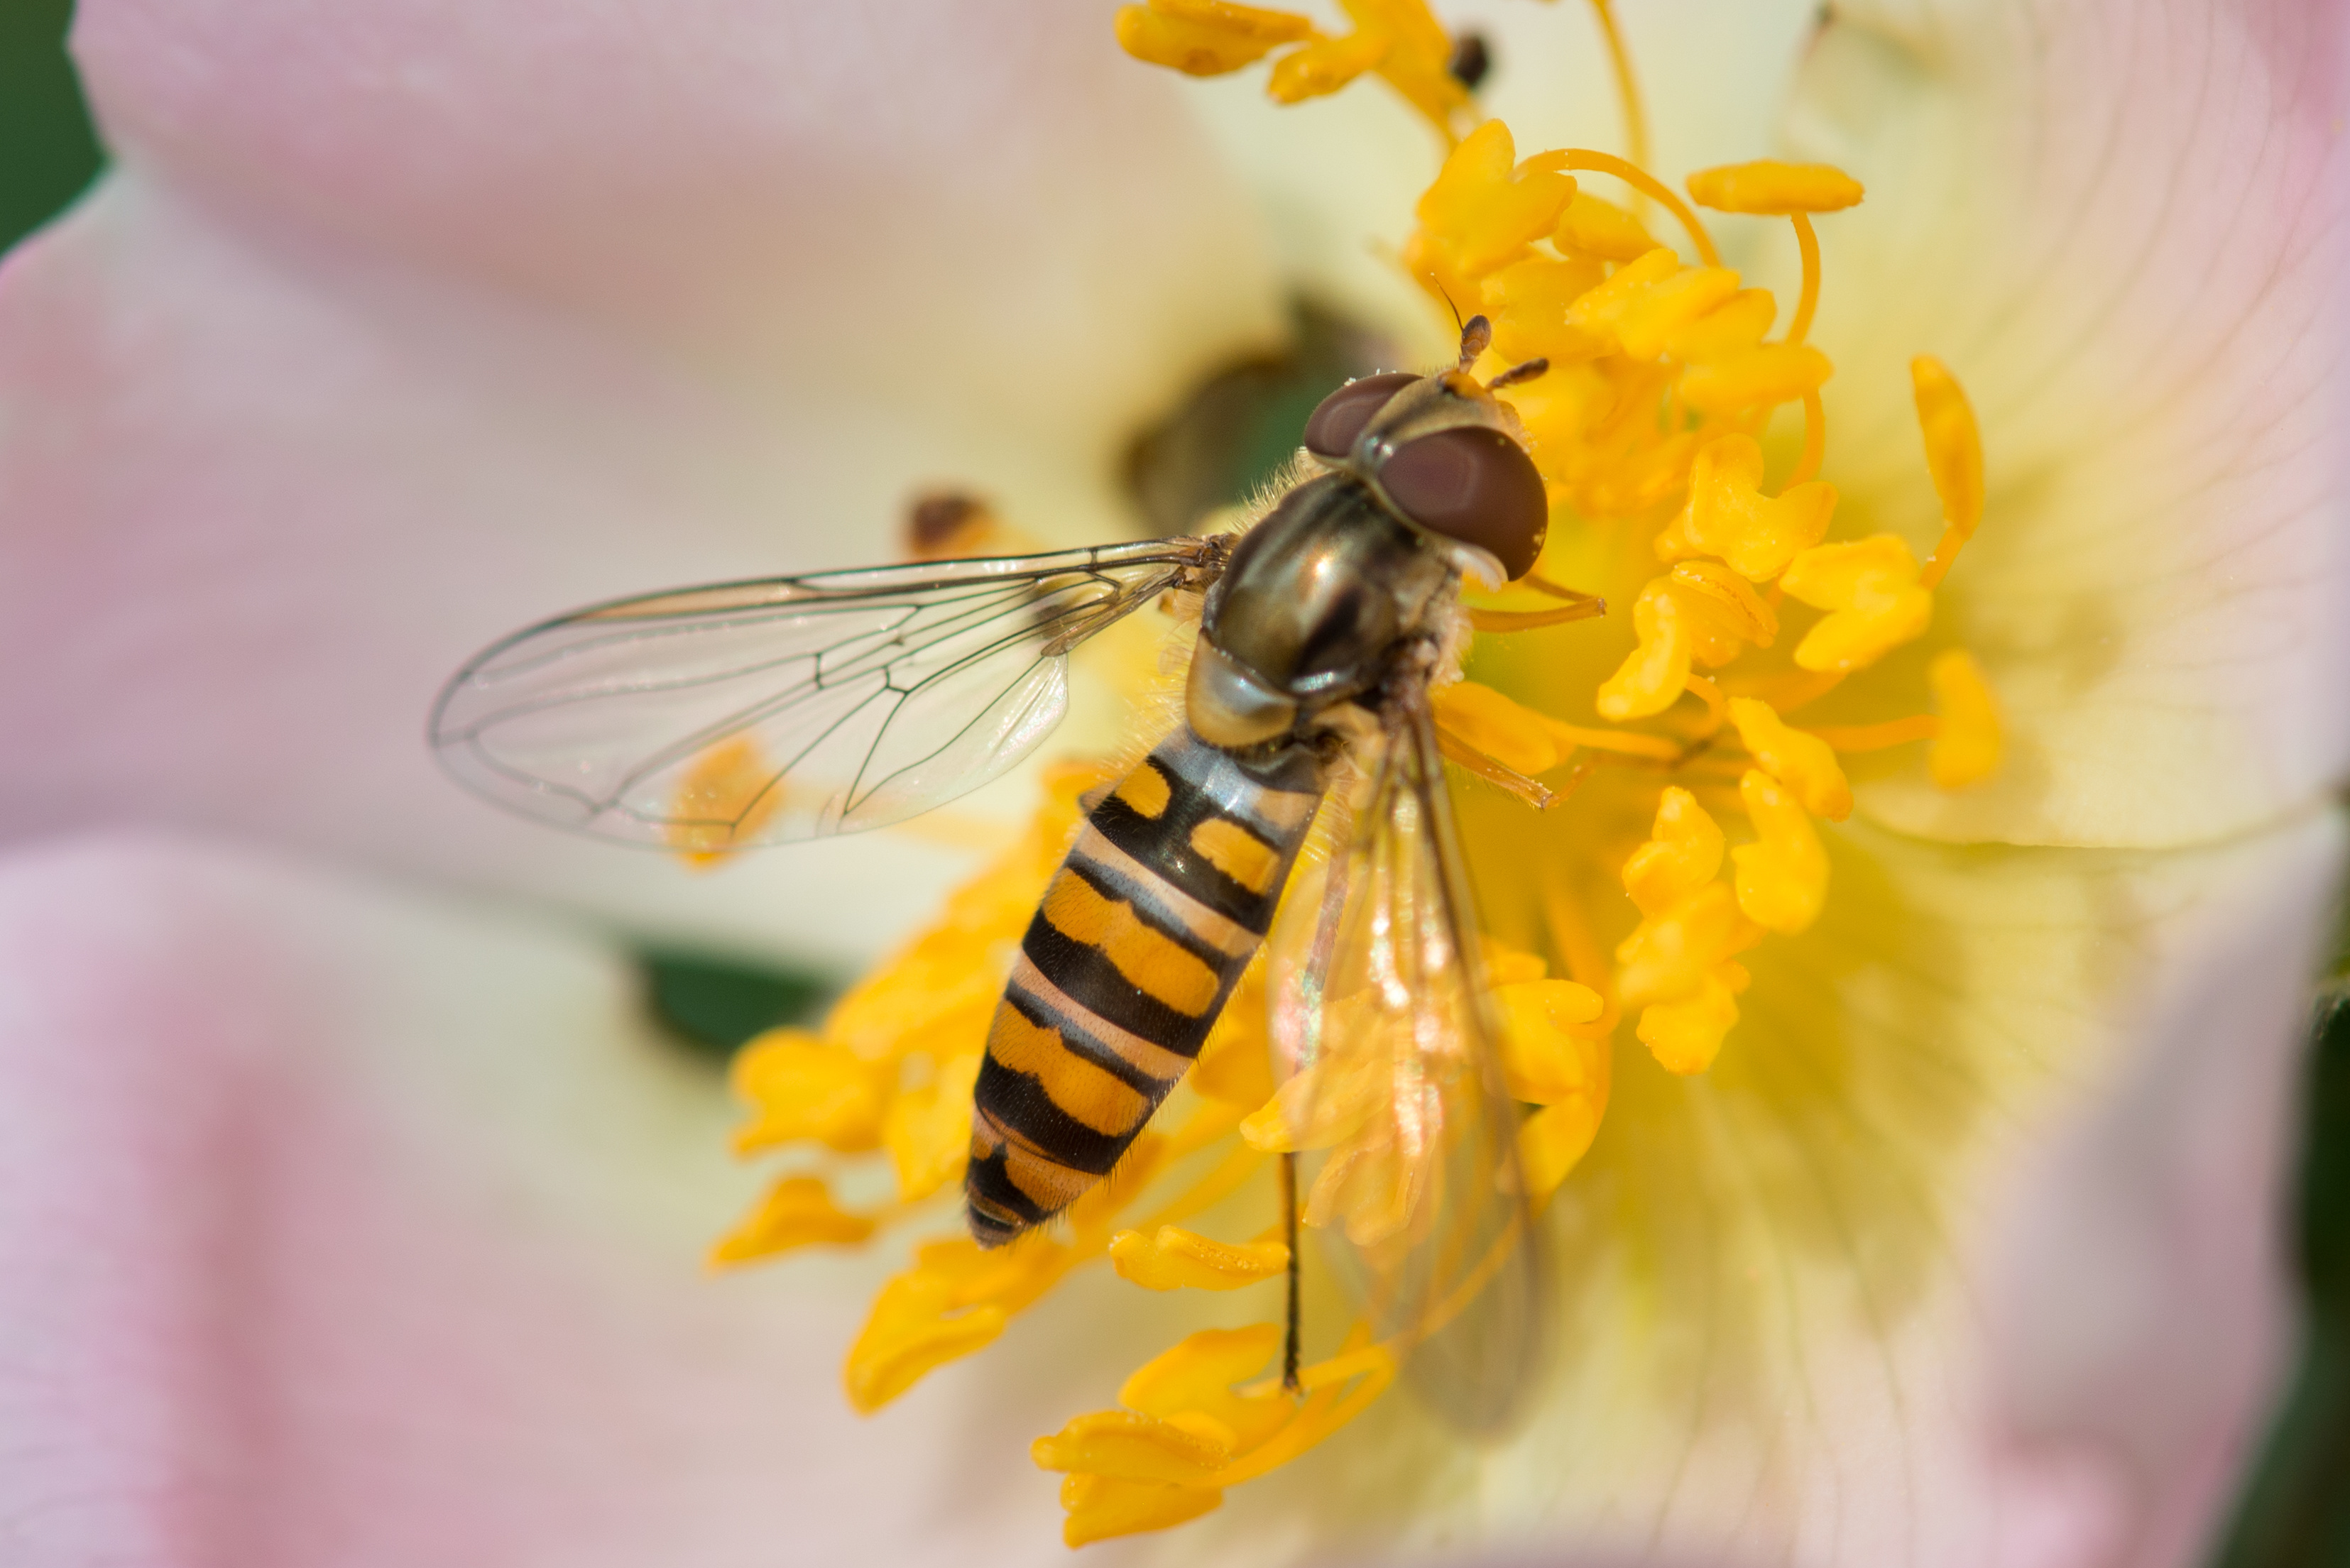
712 718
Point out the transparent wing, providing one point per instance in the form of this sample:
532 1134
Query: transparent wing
1407 1132
760 712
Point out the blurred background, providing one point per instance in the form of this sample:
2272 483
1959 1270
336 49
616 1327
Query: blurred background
2295 1508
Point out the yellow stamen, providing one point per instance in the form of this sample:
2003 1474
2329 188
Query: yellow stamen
911 1331
1201 1376
1656 672
1971 745
1482 212
800 1087
1624 743
1649 320
1171 1258
1187 1430
928 1130
1669 955
1398 38
1601 229
1684 1036
1640 180
1493 772
1727 615
1683 854
1769 188
1529 300
798 1211
1598 313
1870 589
1794 190
1514 736
1954 457
1420 66
1729 517
1804 763
1815 440
1783 879
1128 1445
1101 1508
1553 1140
1627 84
1546 1060
1877 737
1730 328
1716 712
1323 67
1761 378
1807 245
1205 37
1662 375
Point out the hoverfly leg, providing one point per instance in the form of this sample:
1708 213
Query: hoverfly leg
1457 748
1289 1345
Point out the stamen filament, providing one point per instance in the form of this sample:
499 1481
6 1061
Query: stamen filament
1462 754
1790 692
1815 442
1878 737
1716 705
1627 84
1640 180
1945 550
1808 300
1630 743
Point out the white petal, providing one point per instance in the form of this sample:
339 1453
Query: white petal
2121 225
330 385
1967 1248
1337 177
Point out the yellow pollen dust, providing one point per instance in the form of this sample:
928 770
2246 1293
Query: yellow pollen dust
729 793
1681 436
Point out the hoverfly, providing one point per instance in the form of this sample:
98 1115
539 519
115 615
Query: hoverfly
870 696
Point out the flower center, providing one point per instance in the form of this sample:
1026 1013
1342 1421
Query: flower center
1677 838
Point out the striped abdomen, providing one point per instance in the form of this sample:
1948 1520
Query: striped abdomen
1143 931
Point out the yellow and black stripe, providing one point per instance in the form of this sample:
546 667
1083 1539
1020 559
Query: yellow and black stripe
1143 931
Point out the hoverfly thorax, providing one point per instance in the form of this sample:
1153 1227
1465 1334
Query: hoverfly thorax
1309 612
1422 478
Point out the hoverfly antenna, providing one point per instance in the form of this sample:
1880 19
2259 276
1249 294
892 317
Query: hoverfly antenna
1476 337
1450 307
1517 373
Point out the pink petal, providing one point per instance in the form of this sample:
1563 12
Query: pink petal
347 1229
396 331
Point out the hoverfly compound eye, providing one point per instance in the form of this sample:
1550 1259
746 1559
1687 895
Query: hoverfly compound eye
1474 484
1342 415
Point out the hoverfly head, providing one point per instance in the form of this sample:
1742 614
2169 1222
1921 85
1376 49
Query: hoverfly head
1441 452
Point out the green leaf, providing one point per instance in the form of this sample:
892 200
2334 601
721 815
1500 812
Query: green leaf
717 1005
49 150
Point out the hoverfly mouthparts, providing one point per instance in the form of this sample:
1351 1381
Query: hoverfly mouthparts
1438 457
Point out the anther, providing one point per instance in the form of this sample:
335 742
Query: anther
1954 457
